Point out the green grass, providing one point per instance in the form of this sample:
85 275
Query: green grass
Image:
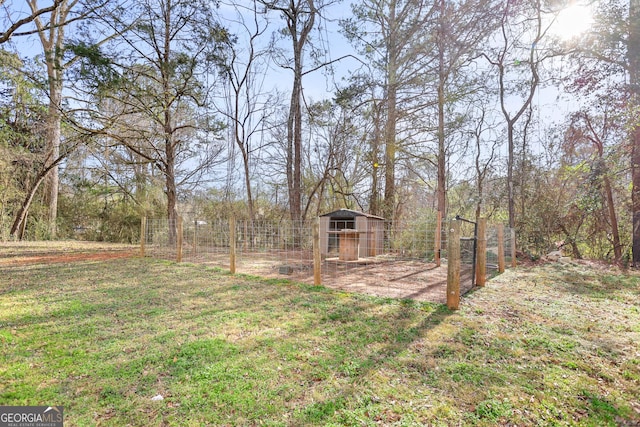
547 346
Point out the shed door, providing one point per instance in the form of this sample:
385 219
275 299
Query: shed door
337 224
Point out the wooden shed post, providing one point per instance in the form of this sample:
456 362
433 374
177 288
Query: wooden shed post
481 253
179 240
232 245
437 239
143 234
453 265
317 258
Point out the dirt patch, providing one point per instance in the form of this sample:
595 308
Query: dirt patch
15 261
381 276
405 279
14 254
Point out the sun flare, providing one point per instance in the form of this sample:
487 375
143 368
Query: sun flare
573 21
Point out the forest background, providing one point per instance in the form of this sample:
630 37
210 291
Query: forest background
521 111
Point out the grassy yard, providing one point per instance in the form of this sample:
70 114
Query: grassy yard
551 345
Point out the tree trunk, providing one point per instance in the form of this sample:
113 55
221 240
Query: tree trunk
633 52
480 179
18 223
510 192
291 160
390 125
169 143
170 177
601 167
615 233
243 146
299 38
53 151
296 196
244 151
390 156
247 183
17 229
172 193
52 38
374 201
442 170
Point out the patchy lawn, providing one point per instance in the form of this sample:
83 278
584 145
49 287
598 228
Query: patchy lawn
550 345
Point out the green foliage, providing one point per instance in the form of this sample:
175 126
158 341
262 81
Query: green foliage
492 410
22 144
416 238
100 213
568 205
96 69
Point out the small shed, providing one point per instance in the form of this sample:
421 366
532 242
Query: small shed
350 234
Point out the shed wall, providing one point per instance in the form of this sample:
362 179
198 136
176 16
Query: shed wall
371 240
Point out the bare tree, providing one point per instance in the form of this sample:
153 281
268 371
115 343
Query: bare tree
484 156
594 132
15 24
161 92
300 18
461 28
336 168
518 58
393 36
50 27
611 51
52 38
361 99
243 65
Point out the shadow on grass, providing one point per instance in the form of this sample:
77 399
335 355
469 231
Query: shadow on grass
202 338
355 368
598 285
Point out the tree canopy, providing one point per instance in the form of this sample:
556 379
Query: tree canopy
268 108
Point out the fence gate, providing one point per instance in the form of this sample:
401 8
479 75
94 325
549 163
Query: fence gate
468 250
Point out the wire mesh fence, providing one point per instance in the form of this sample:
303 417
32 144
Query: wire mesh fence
401 260
500 249
259 246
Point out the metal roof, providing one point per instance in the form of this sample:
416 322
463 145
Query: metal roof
348 213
